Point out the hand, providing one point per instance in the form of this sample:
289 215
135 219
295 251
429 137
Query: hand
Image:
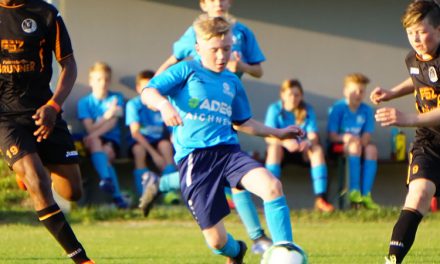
294 132
348 138
379 95
169 115
388 116
45 118
234 63
114 110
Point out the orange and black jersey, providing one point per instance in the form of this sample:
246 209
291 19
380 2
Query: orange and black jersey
425 76
29 33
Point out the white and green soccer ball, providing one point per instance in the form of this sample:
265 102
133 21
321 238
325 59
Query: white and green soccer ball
284 254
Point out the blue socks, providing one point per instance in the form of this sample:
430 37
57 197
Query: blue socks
169 182
230 249
248 213
137 173
369 174
278 219
354 170
100 163
114 178
319 178
275 169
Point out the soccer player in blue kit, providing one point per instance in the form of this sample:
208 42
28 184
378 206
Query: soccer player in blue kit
291 109
246 57
351 121
206 105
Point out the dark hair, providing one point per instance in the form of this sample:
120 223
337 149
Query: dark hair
146 74
300 112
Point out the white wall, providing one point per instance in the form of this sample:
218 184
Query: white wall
318 42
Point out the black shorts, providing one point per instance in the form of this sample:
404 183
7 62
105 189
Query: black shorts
17 140
424 162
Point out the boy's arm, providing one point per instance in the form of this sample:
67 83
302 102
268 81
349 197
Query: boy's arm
255 128
381 95
137 135
235 64
168 63
389 116
157 102
100 127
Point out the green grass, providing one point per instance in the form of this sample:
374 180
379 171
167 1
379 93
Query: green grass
327 239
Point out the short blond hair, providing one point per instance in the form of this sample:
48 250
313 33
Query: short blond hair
418 10
358 78
101 67
208 27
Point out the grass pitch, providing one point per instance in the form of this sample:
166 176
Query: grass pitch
344 237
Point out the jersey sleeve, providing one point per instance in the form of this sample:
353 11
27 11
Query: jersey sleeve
241 110
59 38
185 46
271 116
252 52
131 113
171 80
333 119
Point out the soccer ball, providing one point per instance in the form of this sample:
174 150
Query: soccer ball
284 254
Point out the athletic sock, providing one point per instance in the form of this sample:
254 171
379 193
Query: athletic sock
248 213
275 169
137 173
368 176
354 172
319 178
169 182
230 249
404 233
278 219
115 181
100 162
169 168
53 219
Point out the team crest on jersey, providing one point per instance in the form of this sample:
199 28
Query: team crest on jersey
360 119
227 90
29 25
432 74
415 169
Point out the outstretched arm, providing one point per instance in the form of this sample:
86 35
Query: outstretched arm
255 128
381 95
389 116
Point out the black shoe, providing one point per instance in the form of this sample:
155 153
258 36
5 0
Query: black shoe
239 258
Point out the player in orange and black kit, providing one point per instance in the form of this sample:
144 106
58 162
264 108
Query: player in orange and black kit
34 139
422 24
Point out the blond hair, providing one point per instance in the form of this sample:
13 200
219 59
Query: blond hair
299 112
208 27
358 78
418 10
101 67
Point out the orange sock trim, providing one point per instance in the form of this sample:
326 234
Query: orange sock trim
44 217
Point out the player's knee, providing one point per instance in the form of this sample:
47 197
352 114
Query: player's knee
371 152
354 148
274 189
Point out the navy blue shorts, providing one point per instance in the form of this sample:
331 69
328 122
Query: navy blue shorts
204 174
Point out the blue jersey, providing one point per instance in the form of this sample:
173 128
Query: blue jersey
91 107
151 124
208 103
244 42
277 117
342 120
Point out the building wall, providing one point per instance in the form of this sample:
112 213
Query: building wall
318 42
